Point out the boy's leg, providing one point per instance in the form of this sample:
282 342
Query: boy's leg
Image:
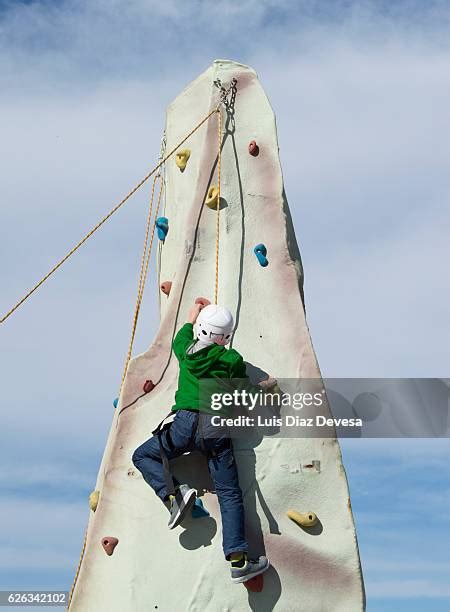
216 444
223 470
176 439
147 459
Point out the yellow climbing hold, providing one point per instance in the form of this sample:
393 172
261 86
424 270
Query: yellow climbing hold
181 158
212 197
309 519
93 500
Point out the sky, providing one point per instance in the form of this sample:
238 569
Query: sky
361 91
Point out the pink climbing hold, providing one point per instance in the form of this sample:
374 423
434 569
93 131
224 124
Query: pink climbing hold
203 301
255 584
109 544
149 385
166 286
253 149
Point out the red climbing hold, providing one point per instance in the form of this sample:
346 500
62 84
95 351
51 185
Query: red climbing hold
109 544
203 301
166 286
149 385
253 149
255 584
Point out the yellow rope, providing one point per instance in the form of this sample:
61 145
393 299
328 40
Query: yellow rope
142 278
219 160
104 219
146 254
145 260
78 570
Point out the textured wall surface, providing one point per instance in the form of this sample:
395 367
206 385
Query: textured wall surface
153 568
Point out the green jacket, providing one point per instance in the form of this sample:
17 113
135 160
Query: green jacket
199 372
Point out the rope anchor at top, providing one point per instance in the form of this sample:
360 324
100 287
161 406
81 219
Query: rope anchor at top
227 94
227 99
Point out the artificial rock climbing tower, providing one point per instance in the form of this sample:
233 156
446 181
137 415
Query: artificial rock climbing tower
150 567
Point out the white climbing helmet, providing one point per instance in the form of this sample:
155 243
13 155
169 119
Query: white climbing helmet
214 325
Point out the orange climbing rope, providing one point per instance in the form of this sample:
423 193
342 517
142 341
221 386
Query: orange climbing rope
78 570
104 219
143 272
219 160
145 260
146 254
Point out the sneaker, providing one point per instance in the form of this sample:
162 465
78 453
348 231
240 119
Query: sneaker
181 504
250 569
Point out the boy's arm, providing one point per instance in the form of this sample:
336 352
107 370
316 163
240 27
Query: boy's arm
183 340
238 367
239 371
193 313
185 337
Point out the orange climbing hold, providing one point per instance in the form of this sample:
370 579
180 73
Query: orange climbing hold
166 286
149 385
253 149
109 544
203 301
255 584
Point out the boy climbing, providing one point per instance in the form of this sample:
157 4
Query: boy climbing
200 349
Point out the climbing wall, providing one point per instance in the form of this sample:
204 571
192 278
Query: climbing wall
152 568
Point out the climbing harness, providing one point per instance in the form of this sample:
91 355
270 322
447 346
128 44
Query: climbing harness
162 432
164 428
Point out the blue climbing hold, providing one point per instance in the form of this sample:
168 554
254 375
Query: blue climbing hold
198 509
162 226
261 252
116 402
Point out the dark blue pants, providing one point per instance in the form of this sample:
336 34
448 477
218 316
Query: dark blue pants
183 435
